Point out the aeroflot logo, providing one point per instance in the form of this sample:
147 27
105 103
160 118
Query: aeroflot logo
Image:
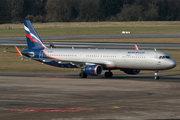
132 52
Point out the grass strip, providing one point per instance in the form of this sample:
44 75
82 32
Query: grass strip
124 40
91 28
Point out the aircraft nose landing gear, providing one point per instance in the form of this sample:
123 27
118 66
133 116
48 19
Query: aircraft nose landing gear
156 77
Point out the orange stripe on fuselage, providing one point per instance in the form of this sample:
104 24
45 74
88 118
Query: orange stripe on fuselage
50 56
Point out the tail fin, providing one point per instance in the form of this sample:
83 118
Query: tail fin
33 40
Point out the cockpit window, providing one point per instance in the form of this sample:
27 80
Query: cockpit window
163 57
168 57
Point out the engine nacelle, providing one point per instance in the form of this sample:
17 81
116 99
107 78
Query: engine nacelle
131 71
93 70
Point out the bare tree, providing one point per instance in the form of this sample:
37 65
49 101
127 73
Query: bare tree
3 13
59 10
131 13
89 10
152 13
14 8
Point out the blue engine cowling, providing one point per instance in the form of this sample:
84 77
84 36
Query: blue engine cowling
93 70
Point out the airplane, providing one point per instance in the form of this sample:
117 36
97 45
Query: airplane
94 61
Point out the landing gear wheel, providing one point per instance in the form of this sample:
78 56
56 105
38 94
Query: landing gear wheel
156 77
82 75
108 74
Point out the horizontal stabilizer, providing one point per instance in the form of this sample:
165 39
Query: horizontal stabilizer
19 53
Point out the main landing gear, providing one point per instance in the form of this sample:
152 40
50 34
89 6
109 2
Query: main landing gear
108 74
156 77
82 74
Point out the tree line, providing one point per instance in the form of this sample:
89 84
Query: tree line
89 10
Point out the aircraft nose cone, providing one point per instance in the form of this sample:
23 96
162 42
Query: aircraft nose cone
172 63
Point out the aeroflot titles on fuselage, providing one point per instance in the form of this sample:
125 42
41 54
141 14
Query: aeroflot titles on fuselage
132 52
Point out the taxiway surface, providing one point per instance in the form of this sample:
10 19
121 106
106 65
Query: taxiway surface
32 96
97 37
94 45
21 41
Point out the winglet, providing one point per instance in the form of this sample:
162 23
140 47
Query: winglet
136 47
19 53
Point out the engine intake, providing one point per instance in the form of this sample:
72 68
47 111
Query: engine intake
93 70
131 71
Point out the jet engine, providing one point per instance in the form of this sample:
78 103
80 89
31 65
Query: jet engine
131 71
93 70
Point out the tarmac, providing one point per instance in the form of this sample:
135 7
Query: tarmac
94 45
98 37
45 96
21 41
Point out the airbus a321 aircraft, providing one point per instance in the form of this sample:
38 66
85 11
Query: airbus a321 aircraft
94 61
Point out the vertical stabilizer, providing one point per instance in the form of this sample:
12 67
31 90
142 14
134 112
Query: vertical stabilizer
33 40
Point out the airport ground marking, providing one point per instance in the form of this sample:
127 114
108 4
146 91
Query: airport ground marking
56 76
39 109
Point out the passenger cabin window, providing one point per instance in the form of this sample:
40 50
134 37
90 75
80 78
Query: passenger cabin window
163 57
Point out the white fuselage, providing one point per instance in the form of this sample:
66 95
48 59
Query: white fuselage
113 58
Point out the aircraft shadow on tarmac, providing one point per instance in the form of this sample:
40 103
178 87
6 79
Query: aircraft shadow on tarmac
165 78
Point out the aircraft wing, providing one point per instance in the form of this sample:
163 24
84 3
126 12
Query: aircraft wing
82 63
